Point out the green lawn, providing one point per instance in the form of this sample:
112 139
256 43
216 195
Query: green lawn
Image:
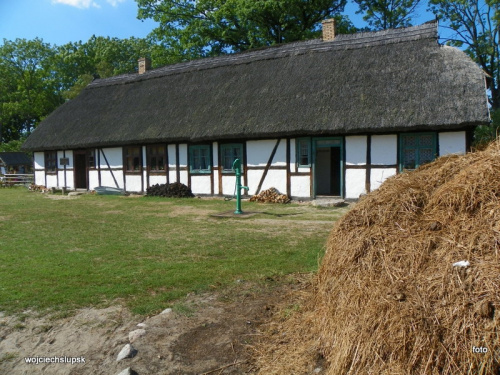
144 252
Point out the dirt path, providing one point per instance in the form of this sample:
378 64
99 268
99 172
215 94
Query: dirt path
205 333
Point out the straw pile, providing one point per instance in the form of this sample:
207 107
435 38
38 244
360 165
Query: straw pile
271 195
389 298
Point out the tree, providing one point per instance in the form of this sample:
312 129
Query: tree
387 14
190 29
28 86
474 26
79 63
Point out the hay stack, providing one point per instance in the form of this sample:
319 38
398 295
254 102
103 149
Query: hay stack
388 299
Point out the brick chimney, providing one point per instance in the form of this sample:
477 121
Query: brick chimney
328 29
144 65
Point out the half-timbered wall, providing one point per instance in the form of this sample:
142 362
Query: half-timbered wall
39 168
266 165
355 165
367 161
384 159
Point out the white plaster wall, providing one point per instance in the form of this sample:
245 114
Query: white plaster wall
153 180
216 181
384 149
40 178
69 155
171 158
201 184
183 157
51 180
379 175
228 184
300 186
133 183
70 179
94 179
274 178
293 156
107 178
355 150
114 156
452 143
184 177
258 153
39 160
355 180
254 177
172 176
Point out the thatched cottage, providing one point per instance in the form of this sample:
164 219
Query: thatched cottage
335 116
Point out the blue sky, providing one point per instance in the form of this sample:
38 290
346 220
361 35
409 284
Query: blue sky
62 21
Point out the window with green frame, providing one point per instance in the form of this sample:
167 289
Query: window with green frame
229 153
200 160
303 149
417 149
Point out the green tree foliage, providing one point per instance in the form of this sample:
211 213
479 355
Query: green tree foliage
475 27
79 63
35 77
29 88
387 14
190 29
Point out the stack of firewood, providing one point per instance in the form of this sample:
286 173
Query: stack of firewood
174 190
271 195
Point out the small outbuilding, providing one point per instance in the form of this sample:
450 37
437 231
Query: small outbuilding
334 116
15 163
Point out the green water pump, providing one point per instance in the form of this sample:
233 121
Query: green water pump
238 186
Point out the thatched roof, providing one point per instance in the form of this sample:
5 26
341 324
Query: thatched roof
394 80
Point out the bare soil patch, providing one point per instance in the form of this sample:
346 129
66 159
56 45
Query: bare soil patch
211 333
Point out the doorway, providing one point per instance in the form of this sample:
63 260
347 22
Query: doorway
80 169
328 167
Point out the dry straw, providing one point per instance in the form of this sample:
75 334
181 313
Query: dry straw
388 298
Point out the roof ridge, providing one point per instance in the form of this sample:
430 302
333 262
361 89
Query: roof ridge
427 30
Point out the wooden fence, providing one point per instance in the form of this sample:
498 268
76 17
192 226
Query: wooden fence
11 179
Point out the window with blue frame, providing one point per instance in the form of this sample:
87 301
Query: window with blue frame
303 149
229 153
200 160
417 149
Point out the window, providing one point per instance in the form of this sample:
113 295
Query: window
91 159
199 159
51 161
303 148
132 159
417 149
229 153
157 158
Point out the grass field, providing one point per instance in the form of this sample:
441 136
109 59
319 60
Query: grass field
62 254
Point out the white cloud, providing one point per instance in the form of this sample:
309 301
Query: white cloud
115 2
82 4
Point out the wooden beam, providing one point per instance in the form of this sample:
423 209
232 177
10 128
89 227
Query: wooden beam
109 168
269 162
